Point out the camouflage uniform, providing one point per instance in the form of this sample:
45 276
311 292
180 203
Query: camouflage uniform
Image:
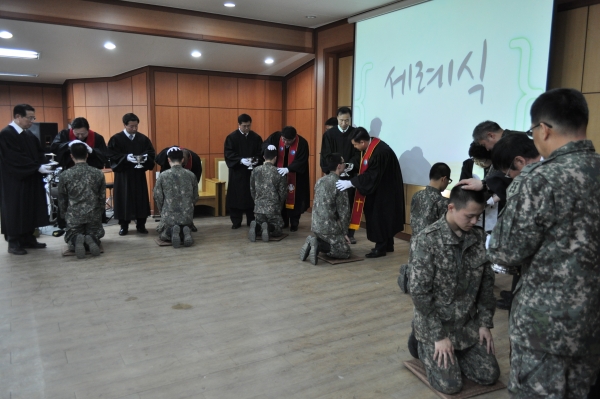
82 198
427 206
451 284
175 193
551 226
331 216
269 192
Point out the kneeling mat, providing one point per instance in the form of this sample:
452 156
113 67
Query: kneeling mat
66 251
469 390
162 243
281 237
336 261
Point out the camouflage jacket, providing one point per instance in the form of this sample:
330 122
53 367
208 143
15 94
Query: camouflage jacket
427 206
175 193
452 289
268 189
551 225
331 211
81 194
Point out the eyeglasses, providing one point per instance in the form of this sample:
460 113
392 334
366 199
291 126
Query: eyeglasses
30 118
449 181
530 131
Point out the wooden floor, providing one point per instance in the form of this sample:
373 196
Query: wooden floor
225 318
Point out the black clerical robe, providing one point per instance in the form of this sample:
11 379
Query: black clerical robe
22 194
384 189
299 166
336 141
130 193
196 163
238 146
60 146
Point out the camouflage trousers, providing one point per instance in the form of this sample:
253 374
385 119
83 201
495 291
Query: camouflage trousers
94 229
474 362
535 374
334 246
403 278
275 222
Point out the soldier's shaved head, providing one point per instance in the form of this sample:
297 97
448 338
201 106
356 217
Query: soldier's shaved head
460 198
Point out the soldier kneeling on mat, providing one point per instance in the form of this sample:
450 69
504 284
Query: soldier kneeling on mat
81 199
269 191
451 284
175 193
330 216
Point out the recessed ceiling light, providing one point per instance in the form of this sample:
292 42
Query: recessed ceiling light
311 16
5 34
109 46
229 4
11 53
196 54
269 61
20 75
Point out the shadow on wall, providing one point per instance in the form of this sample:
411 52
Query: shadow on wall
375 129
415 168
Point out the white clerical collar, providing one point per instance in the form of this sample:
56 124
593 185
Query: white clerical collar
129 135
343 131
18 128
245 134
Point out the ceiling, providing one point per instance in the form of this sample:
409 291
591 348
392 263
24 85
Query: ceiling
73 53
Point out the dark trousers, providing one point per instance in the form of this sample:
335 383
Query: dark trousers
290 217
236 215
385 246
21 239
139 223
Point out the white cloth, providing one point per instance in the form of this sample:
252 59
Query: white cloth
343 185
18 128
89 149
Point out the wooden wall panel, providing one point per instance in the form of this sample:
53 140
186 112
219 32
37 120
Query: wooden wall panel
6 115
222 122
52 97
222 92
311 168
194 129
273 122
98 120
167 127
344 84
141 111
165 88
290 118
192 90
31 95
305 127
258 120
274 94
55 115
291 93
139 87
96 94
591 68
69 114
4 95
568 44
593 130
115 118
79 94
120 92
251 93
304 89
79 112
69 90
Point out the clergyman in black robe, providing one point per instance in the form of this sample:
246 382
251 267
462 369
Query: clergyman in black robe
243 149
80 130
383 187
338 139
191 162
130 193
23 205
299 166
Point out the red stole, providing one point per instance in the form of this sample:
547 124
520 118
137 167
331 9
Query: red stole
291 176
359 199
90 140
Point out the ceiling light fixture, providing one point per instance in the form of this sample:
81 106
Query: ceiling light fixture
11 53
311 16
19 75
196 54
269 61
109 46
229 4
5 34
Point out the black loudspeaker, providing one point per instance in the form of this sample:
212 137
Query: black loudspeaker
45 132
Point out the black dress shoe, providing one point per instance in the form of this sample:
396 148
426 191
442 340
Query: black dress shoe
141 230
506 295
34 245
236 226
193 228
16 251
375 254
294 228
123 231
503 304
